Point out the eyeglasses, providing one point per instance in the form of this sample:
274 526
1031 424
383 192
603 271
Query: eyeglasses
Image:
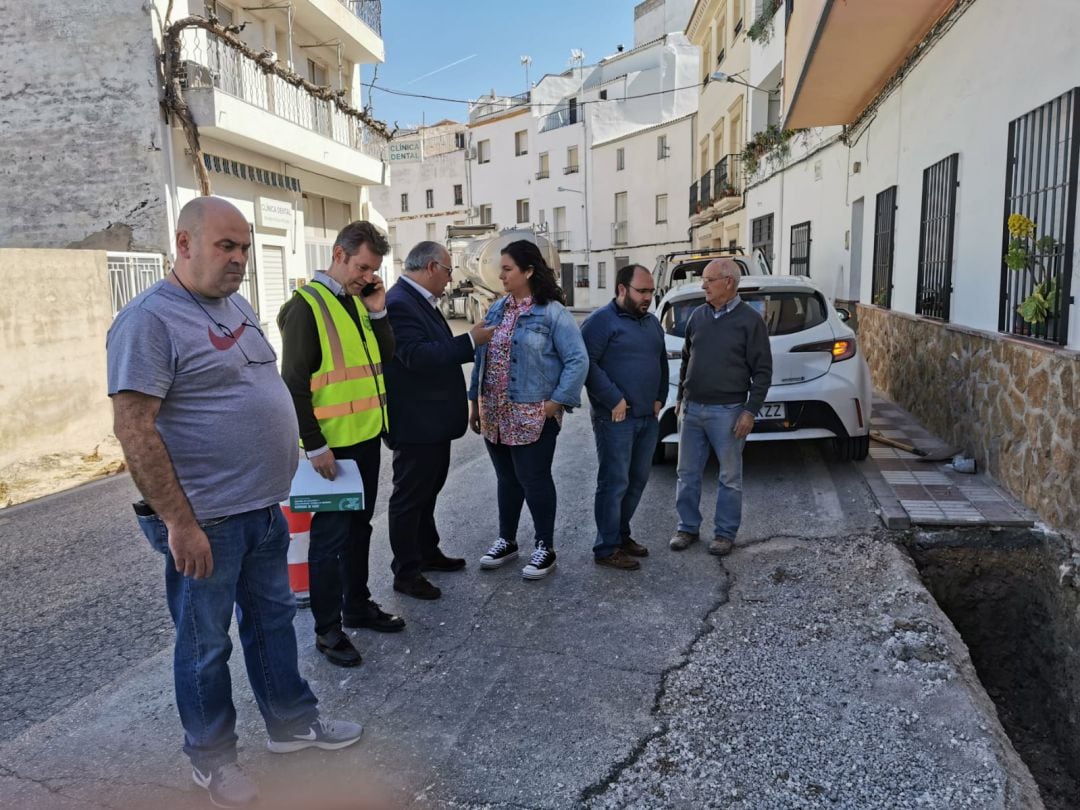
643 290
236 338
449 270
227 332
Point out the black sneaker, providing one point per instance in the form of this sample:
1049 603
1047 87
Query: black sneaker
227 785
541 563
499 554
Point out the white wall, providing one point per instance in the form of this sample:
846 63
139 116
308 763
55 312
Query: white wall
960 98
643 178
440 173
654 18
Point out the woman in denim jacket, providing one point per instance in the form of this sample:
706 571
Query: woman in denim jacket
522 381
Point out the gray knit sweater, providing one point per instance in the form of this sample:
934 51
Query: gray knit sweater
726 360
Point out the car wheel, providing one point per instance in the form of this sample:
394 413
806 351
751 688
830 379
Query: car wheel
851 448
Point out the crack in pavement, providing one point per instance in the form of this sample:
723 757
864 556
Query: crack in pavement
598 788
439 657
54 790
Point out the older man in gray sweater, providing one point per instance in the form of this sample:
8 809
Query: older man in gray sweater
725 374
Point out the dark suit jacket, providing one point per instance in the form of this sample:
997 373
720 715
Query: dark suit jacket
425 387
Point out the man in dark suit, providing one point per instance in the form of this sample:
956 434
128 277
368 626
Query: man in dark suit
428 409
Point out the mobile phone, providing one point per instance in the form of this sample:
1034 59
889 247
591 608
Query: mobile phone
368 289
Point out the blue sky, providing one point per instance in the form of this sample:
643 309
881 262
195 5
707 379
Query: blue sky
486 38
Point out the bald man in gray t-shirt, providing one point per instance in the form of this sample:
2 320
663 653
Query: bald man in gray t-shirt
210 437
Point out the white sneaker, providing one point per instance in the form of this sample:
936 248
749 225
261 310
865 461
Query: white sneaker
541 563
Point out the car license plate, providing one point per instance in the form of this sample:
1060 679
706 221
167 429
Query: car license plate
772 410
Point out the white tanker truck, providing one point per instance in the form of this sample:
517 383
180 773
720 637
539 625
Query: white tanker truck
475 255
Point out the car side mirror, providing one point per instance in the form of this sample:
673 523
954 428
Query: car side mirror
844 314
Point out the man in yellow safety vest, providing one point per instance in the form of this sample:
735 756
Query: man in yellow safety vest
335 335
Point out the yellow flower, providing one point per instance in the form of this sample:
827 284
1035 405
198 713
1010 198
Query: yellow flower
1020 227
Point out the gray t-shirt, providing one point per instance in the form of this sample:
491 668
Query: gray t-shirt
229 426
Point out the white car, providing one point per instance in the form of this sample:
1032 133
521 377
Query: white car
821 384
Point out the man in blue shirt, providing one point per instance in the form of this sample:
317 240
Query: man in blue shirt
627 386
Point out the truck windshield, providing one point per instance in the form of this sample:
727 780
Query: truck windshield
784 312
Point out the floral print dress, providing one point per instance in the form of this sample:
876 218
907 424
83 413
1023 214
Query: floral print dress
503 421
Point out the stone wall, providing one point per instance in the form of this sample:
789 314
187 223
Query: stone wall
52 353
81 144
1009 403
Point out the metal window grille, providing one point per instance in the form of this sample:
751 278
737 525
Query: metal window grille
800 249
884 225
429 198
761 236
131 274
1041 184
459 199
936 228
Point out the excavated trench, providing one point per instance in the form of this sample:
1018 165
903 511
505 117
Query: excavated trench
1015 598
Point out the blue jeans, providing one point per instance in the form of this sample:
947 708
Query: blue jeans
250 571
705 426
523 474
624 457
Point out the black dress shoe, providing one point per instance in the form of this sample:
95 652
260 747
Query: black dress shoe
338 649
440 562
418 587
374 618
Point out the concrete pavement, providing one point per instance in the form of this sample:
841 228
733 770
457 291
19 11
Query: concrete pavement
814 671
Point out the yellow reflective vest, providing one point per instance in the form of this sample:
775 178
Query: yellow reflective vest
348 393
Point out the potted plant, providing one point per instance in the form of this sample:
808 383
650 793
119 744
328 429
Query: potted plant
1042 303
761 30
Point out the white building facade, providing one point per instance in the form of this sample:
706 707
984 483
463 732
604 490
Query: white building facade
550 159
428 190
937 143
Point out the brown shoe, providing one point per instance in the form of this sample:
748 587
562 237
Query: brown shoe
721 546
619 560
682 541
633 548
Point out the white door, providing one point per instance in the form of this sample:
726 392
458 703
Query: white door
855 250
274 290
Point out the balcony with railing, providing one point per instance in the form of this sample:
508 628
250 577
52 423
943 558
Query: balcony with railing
353 25
727 183
562 240
705 187
543 174
695 200
369 12
233 97
491 106
573 168
562 117
620 233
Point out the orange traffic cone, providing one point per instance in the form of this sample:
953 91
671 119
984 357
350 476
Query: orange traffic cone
299 535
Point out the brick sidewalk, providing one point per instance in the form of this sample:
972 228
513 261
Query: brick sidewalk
913 492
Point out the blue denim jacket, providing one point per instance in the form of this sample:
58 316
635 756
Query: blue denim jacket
550 357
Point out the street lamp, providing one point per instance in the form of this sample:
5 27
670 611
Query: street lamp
720 76
575 190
